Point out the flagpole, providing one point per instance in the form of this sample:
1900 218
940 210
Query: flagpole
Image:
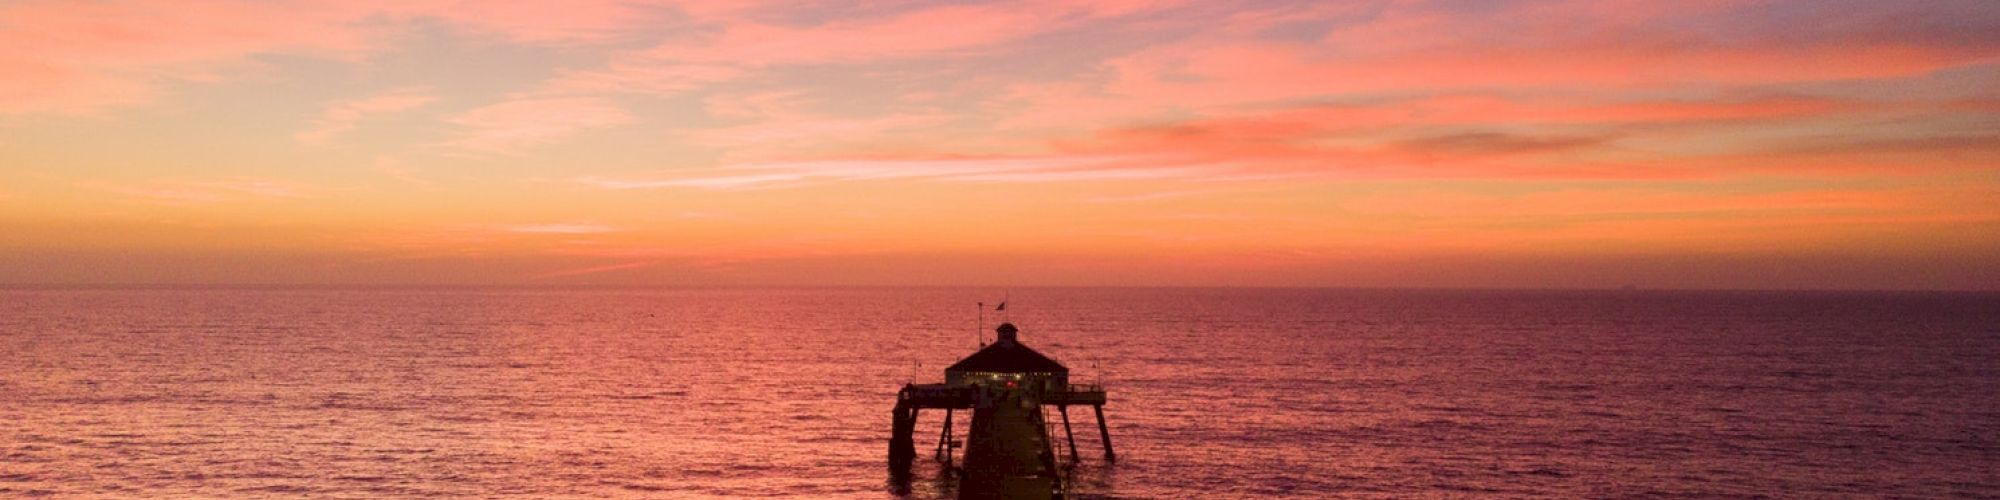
981 332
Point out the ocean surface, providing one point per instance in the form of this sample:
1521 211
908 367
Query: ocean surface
1215 393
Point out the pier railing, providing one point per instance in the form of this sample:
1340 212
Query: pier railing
914 398
1077 394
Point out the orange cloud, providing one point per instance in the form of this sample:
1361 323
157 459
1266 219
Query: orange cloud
201 192
1470 136
1024 169
562 229
1598 202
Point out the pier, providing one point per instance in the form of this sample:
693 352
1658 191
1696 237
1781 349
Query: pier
1011 448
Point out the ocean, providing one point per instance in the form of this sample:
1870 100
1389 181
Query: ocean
1214 393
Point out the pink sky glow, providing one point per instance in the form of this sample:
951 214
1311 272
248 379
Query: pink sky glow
1704 144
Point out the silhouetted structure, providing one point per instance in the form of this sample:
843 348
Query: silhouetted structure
1010 450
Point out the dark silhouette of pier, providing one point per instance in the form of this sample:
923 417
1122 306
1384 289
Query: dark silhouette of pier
1010 451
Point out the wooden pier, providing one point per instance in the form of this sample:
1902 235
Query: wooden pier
1008 387
915 398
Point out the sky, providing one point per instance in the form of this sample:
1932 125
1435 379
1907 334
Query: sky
1818 144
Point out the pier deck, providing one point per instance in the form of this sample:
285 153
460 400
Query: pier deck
962 397
914 398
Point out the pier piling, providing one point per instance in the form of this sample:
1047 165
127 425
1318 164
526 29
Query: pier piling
1064 410
1105 433
945 440
902 445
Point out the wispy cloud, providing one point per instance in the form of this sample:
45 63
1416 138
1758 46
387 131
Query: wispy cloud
395 168
1027 169
1150 196
561 229
69 57
1081 175
511 126
733 42
201 192
83 57
1562 46
788 132
341 116
1577 203
637 76
598 269
1540 139
916 33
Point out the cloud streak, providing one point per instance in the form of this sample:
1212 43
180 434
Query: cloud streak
83 57
561 229
512 126
202 192
342 116
583 271
1011 170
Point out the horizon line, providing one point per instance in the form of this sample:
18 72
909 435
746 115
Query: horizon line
586 286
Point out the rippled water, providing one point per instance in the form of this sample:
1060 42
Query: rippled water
537 393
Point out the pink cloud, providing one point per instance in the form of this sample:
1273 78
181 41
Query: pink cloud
77 57
81 57
1562 50
1207 77
916 33
563 23
740 40
639 76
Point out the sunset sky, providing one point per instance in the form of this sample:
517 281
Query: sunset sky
1671 144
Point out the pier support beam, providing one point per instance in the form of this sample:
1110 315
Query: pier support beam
902 445
1104 432
944 446
1064 409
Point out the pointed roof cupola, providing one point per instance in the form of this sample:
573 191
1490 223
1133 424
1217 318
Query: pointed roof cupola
1007 355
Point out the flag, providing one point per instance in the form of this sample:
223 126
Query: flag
1002 306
